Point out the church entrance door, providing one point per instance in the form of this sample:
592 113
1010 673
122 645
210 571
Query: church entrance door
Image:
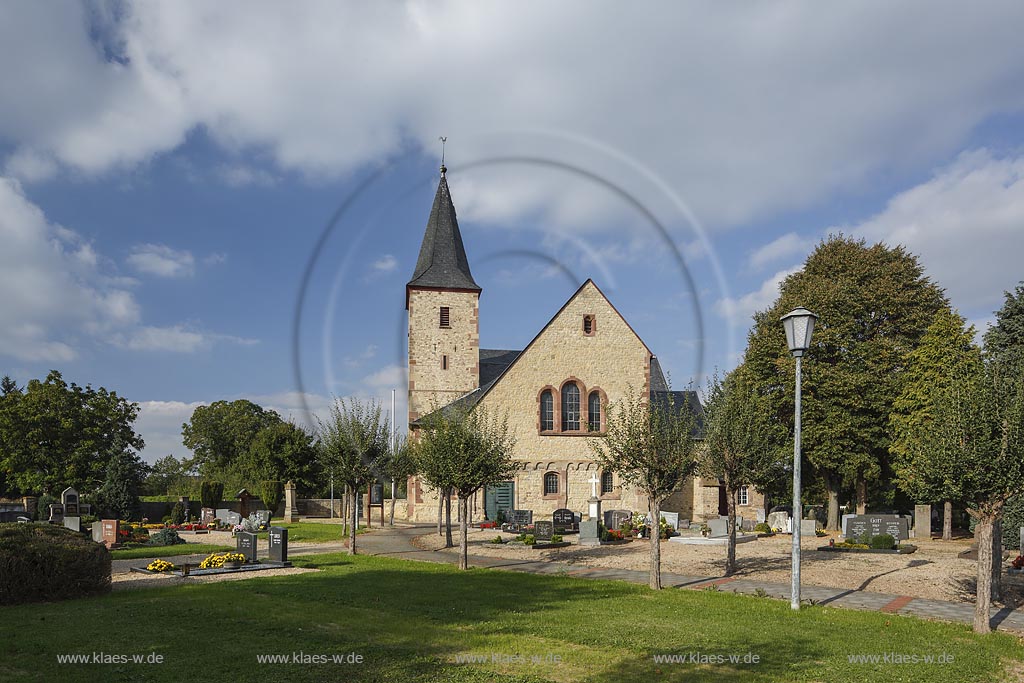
499 497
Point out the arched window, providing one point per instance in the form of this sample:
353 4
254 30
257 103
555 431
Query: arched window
607 482
550 483
594 411
547 411
570 408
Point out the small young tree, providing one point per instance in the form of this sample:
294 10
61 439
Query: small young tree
741 444
470 450
399 467
353 445
271 491
651 442
977 441
119 494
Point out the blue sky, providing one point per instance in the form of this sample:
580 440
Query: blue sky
167 172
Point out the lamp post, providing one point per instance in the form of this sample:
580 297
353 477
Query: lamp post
799 326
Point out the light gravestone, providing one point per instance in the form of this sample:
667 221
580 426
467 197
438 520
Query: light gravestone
263 516
671 518
922 521
231 517
97 532
291 508
778 520
719 527
277 544
73 523
589 533
808 527
246 544
543 530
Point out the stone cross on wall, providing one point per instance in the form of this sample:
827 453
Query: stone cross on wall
593 481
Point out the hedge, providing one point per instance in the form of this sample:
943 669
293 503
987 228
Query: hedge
42 563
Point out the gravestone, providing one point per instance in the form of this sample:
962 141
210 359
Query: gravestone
564 520
222 514
1021 546
231 517
759 515
520 519
844 522
876 525
69 499
109 532
543 530
73 523
56 513
589 534
277 542
719 527
922 521
671 518
246 544
97 532
614 519
808 527
263 516
778 520
291 508
207 515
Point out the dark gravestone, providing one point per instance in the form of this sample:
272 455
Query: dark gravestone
246 544
522 518
564 520
69 499
377 494
876 525
543 530
277 541
614 519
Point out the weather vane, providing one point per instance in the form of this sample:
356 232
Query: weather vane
443 141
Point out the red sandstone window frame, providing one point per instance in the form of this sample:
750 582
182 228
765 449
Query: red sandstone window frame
589 324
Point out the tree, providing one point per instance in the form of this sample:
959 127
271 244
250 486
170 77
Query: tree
947 350
271 491
742 444
281 451
977 441
168 476
211 493
354 445
54 435
222 432
875 304
8 386
400 466
650 441
473 450
1004 341
119 494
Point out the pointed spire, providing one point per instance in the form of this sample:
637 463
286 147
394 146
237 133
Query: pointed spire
442 262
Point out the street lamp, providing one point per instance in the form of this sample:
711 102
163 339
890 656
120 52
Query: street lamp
799 325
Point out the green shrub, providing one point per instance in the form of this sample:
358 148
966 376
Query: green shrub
211 493
529 539
271 492
178 513
883 542
42 562
556 538
763 528
165 537
497 540
43 506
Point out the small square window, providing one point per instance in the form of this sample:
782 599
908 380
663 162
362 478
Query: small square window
445 317
588 324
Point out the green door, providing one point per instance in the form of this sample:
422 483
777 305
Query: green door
499 498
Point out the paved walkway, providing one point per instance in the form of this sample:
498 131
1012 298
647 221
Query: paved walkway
397 542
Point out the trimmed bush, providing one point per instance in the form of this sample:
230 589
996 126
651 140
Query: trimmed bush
165 537
883 542
178 513
42 563
211 493
763 528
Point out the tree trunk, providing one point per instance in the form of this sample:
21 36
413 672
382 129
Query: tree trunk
832 483
344 511
862 495
463 533
391 514
730 501
355 521
448 543
440 511
997 560
947 521
655 510
983 597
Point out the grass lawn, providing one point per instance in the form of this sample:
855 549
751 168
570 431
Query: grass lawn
410 621
167 550
314 532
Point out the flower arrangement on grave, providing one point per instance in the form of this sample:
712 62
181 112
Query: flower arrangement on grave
705 530
160 566
1018 563
217 560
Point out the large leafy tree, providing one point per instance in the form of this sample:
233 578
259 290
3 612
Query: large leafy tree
875 303
169 476
281 451
353 446
977 441
222 432
54 434
651 443
119 494
742 444
473 449
947 350
1004 341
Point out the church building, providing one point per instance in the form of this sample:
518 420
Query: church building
555 391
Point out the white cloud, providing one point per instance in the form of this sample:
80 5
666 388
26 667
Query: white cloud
385 264
737 109
740 310
159 424
176 339
387 378
967 225
161 260
54 290
244 176
784 247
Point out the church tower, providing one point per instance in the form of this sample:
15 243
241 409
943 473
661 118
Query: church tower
443 302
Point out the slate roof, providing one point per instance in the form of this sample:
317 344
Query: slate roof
493 362
442 261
